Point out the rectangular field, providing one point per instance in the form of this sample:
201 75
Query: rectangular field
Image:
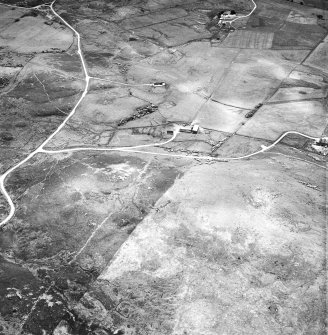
154 18
248 39
319 58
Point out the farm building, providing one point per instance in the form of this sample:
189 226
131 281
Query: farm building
190 129
228 14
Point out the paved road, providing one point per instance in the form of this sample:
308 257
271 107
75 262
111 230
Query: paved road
39 149
247 15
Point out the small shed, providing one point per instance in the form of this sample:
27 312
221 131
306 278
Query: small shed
195 129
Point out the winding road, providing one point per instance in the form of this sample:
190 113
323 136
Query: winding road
244 16
134 149
39 149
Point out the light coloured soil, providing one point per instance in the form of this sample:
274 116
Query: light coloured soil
237 146
30 34
299 18
220 117
319 58
227 251
66 65
253 76
186 106
308 77
272 120
8 16
6 71
298 93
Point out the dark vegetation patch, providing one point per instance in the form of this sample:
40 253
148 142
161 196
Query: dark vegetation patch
298 2
322 4
6 136
298 35
14 59
253 111
298 142
164 179
273 309
151 131
213 249
135 301
19 288
69 18
8 159
140 112
50 222
55 224
98 59
43 234
33 13
48 111
298 83
309 295
65 62
126 220
21 126
46 314
27 116
57 290
4 81
25 3
256 22
289 268
105 161
31 89
218 30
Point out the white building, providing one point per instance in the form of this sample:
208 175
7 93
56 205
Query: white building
228 15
